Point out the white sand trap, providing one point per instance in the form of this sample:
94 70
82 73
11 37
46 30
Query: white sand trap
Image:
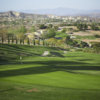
46 53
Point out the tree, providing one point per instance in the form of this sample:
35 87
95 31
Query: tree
3 35
49 34
16 40
33 41
32 29
96 47
56 28
85 26
22 29
83 44
38 41
94 27
50 26
68 38
42 26
28 41
64 30
20 41
51 41
8 39
82 26
12 38
43 42
79 26
71 42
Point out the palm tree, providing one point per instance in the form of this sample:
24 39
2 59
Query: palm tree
33 41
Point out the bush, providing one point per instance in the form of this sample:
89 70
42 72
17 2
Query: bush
97 36
95 48
42 26
94 27
82 26
83 44
95 44
71 42
49 34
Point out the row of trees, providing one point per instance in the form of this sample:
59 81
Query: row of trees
83 26
12 39
18 36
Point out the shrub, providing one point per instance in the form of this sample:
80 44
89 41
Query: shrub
95 48
42 26
49 34
97 36
83 44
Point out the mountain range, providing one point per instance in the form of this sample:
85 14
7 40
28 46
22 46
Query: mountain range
56 11
14 14
65 12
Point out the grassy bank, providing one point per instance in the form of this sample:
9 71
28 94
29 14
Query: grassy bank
70 76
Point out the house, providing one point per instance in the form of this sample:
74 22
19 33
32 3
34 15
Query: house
30 35
35 35
39 32
73 37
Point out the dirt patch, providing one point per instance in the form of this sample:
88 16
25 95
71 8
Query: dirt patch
87 33
19 88
33 90
29 90
88 41
83 34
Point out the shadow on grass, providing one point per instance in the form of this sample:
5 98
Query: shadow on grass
55 54
86 60
17 49
6 90
9 53
47 67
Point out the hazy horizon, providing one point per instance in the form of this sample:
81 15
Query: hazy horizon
7 5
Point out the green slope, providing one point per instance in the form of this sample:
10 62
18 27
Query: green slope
72 76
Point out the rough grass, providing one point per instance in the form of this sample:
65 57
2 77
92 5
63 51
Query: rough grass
61 34
72 76
86 37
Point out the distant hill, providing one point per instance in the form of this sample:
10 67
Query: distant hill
65 12
14 14
10 14
43 13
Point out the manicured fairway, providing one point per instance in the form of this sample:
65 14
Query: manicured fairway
71 76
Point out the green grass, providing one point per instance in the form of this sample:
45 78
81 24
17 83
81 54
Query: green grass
71 76
85 37
61 34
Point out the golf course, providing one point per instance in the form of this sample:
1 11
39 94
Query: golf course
27 75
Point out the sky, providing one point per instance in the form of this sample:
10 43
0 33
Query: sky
48 4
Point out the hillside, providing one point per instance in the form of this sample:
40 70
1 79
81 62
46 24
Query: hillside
61 11
12 53
45 12
75 76
14 14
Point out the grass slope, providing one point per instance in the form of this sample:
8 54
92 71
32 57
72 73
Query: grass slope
71 76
